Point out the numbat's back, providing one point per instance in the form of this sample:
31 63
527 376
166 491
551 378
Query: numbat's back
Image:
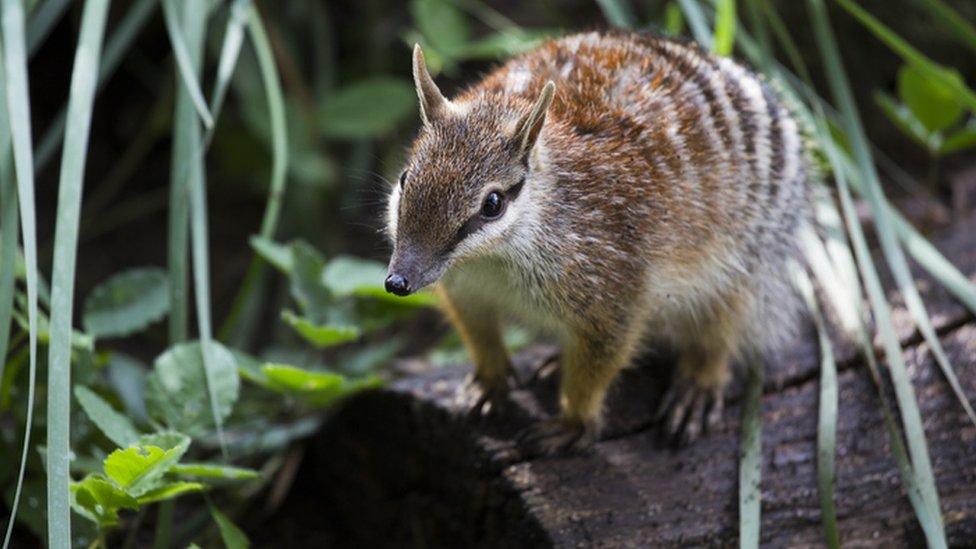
614 190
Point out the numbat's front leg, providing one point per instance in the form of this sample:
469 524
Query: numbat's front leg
589 365
480 328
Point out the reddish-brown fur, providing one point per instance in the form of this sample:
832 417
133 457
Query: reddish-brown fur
663 189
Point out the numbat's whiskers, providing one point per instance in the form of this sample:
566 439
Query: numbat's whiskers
612 189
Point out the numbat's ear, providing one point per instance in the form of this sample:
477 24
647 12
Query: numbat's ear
529 126
432 101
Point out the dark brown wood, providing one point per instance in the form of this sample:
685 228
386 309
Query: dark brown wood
401 466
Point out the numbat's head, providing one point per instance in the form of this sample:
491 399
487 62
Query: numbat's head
462 192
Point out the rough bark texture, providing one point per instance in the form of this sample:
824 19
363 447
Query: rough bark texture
402 467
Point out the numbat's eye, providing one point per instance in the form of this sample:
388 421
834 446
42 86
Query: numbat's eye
493 206
403 178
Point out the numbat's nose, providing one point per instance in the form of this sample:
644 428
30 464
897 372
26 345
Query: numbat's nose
397 284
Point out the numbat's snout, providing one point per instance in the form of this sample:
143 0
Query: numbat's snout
613 190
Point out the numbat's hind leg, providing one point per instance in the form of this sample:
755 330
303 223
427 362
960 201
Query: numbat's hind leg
694 401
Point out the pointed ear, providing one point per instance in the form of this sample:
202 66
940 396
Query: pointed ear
432 101
529 126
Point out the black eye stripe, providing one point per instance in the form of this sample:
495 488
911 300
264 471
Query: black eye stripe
476 221
403 178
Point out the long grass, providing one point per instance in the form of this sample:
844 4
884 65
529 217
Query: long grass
80 103
18 110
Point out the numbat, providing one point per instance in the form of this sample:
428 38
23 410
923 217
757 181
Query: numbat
614 190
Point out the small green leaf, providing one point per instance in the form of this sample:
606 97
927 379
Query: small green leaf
209 470
177 389
443 25
118 428
276 254
368 108
313 388
503 44
320 335
169 490
140 468
127 303
347 275
99 500
232 536
960 140
933 102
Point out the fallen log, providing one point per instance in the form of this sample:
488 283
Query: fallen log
402 466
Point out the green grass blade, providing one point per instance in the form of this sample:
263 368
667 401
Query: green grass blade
80 103
907 401
697 22
42 22
950 19
279 166
279 130
184 60
827 414
229 53
18 111
890 245
9 221
116 47
724 38
618 13
750 460
909 54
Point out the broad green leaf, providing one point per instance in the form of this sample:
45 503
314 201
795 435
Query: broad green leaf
368 108
906 121
140 468
443 25
347 275
127 303
212 471
232 536
278 255
932 102
118 428
99 500
170 490
313 388
177 389
320 335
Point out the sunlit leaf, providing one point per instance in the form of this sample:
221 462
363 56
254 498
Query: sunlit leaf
933 103
347 275
140 468
903 117
960 140
169 490
212 471
277 255
127 303
99 500
320 335
313 388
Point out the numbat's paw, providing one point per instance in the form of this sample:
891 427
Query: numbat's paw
688 410
487 399
557 436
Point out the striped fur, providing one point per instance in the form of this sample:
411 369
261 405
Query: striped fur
660 201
